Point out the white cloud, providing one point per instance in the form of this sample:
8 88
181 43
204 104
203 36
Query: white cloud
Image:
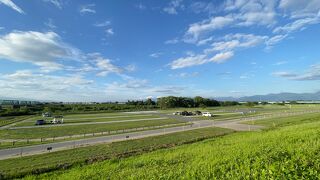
131 68
297 25
185 75
103 24
203 7
200 59
197 29
141 6
110 32
280 63
299 9
57 3
38 86
252 12
155 55
275 39
312 74
12 5
88 8
172 41
50 24
234 41
17 46
223 50
173 6
105 66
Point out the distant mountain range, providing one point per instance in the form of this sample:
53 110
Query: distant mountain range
276 97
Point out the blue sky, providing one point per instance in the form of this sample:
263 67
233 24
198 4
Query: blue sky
118 50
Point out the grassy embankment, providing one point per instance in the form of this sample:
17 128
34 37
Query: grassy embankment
290 152
77 157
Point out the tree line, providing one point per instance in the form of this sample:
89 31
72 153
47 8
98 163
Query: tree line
187 102
149 104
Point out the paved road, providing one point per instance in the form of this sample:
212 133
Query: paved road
87 123
232 124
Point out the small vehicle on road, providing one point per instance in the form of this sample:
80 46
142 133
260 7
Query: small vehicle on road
207 114
40 122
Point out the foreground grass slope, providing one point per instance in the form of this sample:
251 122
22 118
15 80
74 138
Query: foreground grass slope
291 152
19 167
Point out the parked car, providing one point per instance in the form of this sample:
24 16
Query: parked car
198 113
40 122
207 114
186 113
177 113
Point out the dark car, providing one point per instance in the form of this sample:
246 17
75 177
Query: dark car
40 122
186 113
198 113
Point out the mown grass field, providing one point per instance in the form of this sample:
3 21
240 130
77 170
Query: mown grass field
76 157
81 119
289 152
286 121
58 131
11 119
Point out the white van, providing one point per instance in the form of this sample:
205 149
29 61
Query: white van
207 114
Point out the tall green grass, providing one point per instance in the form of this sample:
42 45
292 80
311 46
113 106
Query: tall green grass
60 160
291 152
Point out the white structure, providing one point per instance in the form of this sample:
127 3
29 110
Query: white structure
207 114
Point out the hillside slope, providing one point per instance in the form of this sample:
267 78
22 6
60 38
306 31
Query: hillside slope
290 152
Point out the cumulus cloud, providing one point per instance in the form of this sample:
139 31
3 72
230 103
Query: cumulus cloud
26 83
105 65
12 5
17 46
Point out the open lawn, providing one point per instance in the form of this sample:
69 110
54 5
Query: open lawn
285 121
80 156
290 152
12 119
58 131
81 119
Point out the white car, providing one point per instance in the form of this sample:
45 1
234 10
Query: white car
207 114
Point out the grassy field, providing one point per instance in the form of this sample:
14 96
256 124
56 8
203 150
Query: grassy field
12 119
62 159
290 152
59 131
81 119
285 121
